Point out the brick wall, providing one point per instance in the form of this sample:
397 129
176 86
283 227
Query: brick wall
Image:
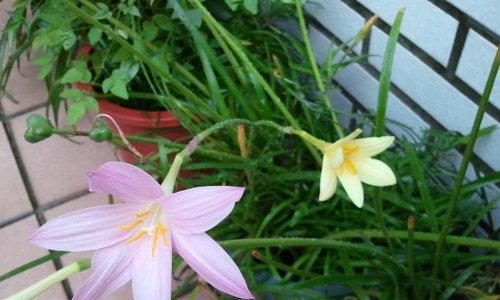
441 62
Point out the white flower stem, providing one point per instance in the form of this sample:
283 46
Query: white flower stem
42 285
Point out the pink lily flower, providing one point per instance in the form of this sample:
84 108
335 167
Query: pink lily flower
134 240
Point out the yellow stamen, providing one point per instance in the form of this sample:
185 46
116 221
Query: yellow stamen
348 149
154 240
163 230
349 166
131 225
159 230
142 214
135 238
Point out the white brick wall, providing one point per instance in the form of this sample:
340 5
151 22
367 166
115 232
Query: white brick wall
428 30
485 12
425 24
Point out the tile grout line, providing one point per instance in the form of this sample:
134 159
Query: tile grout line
44 207
22 112
40 217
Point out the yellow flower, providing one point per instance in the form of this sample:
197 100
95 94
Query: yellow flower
349 161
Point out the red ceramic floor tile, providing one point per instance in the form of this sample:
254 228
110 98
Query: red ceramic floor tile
16 251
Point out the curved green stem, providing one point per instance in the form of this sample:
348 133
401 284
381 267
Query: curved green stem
417 236
169 181
42 285
317 76
238 50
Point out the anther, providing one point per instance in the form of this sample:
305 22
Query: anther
135 238
131 225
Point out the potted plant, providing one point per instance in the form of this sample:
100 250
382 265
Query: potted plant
258 107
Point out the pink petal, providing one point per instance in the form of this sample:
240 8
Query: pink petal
152 275
87 229
124 181
199 209
211 262
111 266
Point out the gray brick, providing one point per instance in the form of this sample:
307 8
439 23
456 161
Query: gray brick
364 88
343 107
475 63
484 11
435 95
425 24
320 44
337 17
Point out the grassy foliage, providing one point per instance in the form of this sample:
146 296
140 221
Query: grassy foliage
208 63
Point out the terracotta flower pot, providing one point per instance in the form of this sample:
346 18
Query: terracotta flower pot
133 121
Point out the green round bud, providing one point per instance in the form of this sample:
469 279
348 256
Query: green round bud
38 128
100 132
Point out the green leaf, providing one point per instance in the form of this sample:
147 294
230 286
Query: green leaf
91 104
119 89
131 68
72 94
43 60
194 17
76 111
69 39
251 6
134 11
107 84
163 22
150 31
103 12
72 76
39 41
385 74
233 4
121 55
44 71
94 36
119 75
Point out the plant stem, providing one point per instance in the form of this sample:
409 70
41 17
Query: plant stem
383 97
32 264
169 181
417 236
207 16
417 289
483 104
42 285
281 266
317 76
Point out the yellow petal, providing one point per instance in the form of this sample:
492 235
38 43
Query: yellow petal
374 172
328 180
371 146
352 186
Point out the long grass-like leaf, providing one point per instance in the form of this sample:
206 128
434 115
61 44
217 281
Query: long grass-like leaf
383 97
32 264
483 104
